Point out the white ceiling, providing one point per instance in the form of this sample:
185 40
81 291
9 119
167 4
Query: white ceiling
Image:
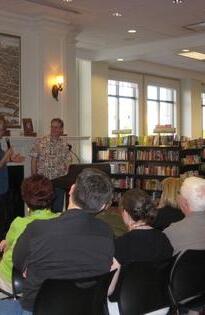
160 27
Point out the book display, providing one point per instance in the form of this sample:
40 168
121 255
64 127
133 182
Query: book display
122 162
153 164
145 166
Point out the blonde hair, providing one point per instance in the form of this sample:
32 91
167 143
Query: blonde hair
170 190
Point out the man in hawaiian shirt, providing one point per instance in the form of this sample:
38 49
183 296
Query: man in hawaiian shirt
51 157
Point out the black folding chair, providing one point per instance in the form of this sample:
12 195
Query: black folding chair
143 287
74 296
17 285
187 281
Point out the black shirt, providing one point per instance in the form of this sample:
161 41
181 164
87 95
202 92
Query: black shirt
74 245
142 245
167 215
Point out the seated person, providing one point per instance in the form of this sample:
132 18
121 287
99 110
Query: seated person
190 232
113 217
37 192
74 245
168 210
142 242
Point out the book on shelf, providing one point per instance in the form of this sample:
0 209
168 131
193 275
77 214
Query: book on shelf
129 140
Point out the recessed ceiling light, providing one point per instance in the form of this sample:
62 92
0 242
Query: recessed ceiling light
116 14
67 0
193 54
120 59
132 31
177 1
185 50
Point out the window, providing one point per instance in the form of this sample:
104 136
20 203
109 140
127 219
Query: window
161 107
203 113
122 106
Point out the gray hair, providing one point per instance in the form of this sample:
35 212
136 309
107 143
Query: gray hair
193 190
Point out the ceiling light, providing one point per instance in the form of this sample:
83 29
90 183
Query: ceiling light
177 1
120 59
116 14
185 50
67 0
132 31
193 54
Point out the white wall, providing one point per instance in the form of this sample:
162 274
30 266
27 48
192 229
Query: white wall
99 99
189 121
47 50
85 108
191 108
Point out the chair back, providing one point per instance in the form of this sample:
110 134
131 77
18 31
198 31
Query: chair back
143 287
17 283
187 278
73 296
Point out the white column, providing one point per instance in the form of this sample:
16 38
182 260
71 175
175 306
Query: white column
191 119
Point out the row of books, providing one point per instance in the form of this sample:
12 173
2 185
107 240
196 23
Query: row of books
123 183
157 170
191 159
118 154
149 184
130 140
107 155
122 168
191 144
151 140
158 140
157 155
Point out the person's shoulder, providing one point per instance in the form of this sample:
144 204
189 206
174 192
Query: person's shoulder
20 221
175 227
124 238
102 225
41 225
17 219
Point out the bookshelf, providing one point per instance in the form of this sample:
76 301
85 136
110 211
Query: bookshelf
153 164
145 166
122 164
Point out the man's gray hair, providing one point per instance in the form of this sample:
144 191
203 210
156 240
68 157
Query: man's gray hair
193 190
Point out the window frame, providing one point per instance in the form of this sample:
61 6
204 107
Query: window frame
203 110
135 99
161 82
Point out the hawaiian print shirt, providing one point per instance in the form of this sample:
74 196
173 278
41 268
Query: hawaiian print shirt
53 156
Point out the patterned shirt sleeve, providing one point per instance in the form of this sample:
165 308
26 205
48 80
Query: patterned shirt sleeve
34 153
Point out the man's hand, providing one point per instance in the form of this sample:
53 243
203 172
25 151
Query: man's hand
17 157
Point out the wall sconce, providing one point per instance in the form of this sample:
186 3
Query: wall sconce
57 87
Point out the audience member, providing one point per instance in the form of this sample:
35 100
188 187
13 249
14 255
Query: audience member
37 192
190 232
113 217
51 157
142 242
169 211
74 245
5 157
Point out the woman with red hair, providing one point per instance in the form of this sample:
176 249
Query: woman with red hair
37 192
